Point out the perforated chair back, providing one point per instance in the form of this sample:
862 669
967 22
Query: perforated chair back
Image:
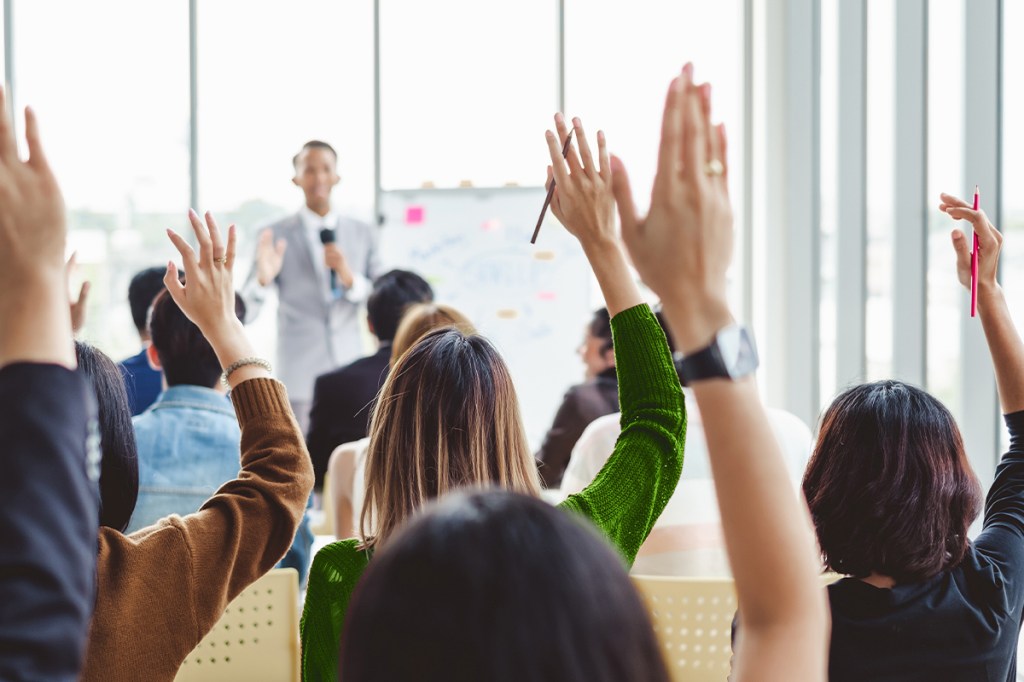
693 620
257 638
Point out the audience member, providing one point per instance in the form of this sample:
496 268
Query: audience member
188 439
347 467
448 417
119 464
142 381
322 265
162 588
687 539
500 587
342 399
892 495
682 250
48 504
583 403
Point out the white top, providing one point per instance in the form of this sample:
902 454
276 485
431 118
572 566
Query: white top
686 540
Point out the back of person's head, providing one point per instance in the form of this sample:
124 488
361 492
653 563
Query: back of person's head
144 287
186 357
421 318
393 292
446 417
889 486
600 327
501 587
119 468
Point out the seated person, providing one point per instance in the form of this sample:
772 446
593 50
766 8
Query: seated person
142 381
343 399
892 495
162 588
518 591
583 403
48 506
687 539
347 467
448 417
188 440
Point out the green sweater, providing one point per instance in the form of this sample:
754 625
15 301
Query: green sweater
624 501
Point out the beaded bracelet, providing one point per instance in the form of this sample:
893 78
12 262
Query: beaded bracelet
244 362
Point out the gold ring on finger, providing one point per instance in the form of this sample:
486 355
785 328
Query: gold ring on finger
714 168
223 260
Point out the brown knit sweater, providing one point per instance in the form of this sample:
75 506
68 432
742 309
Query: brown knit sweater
161 589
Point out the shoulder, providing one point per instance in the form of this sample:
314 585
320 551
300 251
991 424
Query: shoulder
340 559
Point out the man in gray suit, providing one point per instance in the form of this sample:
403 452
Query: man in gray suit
322 265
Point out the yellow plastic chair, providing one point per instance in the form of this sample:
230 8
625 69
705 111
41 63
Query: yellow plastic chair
257 638
693 620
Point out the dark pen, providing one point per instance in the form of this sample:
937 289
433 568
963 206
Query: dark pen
551 190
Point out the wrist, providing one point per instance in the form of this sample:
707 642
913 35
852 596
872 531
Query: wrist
695 321
990 295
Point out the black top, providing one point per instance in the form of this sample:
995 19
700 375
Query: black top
49 520
342 406
959 625
581 405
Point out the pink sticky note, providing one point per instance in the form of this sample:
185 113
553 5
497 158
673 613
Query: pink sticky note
492 225
414 215
547 295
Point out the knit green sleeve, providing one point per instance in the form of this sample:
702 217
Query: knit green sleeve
632 489
333 576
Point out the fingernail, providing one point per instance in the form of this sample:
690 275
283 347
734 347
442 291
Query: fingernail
688 70
548 134
559 117
192 212
576 122
706 90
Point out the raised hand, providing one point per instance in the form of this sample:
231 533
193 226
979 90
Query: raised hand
269 257
583 200
78 307
33 290
990 242
584 204
683 247
207 297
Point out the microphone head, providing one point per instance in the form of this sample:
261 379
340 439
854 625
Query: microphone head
327 236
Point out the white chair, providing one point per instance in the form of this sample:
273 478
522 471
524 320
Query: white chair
257 638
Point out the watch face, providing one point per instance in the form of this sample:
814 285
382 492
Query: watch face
739 355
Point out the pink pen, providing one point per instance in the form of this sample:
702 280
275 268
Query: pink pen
974 260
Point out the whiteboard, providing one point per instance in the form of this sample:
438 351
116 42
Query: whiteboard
531 301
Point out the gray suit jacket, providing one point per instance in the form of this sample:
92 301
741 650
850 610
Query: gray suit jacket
317 330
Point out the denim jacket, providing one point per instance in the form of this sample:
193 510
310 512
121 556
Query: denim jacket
188 444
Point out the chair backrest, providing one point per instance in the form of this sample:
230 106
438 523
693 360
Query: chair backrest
693 620
256 639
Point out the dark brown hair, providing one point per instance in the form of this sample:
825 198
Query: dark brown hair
500 587
186 357
889 486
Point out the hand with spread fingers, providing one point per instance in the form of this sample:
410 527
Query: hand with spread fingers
207 297
33 232
990 242
683 247
583 200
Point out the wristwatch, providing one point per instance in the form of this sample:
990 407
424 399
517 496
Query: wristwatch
731 355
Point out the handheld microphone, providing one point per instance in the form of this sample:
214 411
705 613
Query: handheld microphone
327 236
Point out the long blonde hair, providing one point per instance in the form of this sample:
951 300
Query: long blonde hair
446 418
420 318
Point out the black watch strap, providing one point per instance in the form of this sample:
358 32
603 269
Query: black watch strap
704 364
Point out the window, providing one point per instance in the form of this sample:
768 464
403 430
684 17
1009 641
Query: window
946 299
467 90
114 116
829 185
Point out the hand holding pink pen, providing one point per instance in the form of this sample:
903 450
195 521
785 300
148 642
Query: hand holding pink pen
974 271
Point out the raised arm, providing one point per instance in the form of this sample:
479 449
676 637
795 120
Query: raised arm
1004 343
682 250
630 492
49 510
